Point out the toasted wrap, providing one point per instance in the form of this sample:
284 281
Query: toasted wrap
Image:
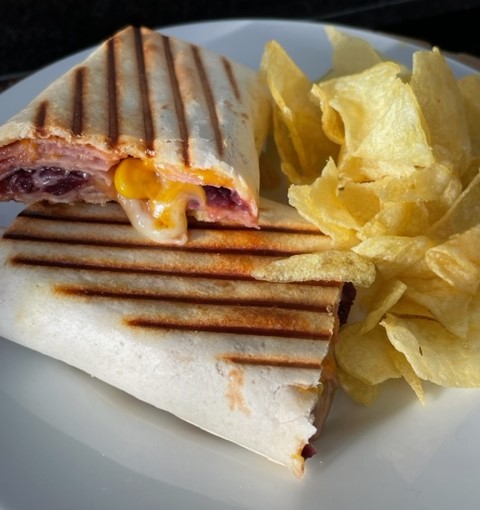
184 328
162 126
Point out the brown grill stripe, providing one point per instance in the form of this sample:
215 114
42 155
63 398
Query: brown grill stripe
193 225
260 252
112 94
41 116
209 99
77 118
294 334
273 362
62 264
178 101
231 78
39 215
263 228
143 84
193 300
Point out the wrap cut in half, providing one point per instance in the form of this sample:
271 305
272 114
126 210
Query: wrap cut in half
162 126
184 328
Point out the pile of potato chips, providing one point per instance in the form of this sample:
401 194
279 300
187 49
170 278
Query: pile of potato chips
385 159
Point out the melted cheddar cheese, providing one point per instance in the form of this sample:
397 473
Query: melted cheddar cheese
167 200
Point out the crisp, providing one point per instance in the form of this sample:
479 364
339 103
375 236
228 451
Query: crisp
400 191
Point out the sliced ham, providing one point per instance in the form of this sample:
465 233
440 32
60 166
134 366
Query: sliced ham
55 171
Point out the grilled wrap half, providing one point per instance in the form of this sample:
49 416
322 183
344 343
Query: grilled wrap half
162 126
184 328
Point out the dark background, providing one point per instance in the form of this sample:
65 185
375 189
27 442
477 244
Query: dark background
34 33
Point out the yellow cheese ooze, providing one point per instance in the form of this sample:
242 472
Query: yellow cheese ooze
167 200
135 178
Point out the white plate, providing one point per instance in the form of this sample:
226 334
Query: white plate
70 442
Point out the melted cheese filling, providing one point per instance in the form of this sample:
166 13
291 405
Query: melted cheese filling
166 200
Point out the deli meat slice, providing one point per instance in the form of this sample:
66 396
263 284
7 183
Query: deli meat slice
55 171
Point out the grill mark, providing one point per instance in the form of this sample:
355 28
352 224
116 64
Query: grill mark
39 215
143 84
209 99
77 117
71 290
263 228
62 264
41 116
293 334
178 102
269 361
135 270
261 252
113 131
231 78
193 225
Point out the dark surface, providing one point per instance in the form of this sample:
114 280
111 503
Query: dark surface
34 33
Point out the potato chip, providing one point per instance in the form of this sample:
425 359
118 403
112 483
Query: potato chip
447 304
360 201
471 171
474 319
380 115
359 99
396 219
374 368
421 185
462 215
439 207
362 170
419 270
332 123
434 353
362 374
366 296
457 260
332 265
393 254
350 54
289 162
297 119
470 92
398 135
403 366
321 205
387 297
441 101
360 392
407 308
